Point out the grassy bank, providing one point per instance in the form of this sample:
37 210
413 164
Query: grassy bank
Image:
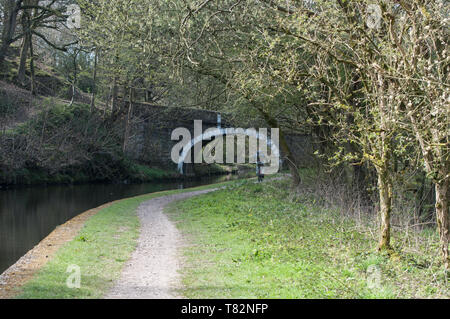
63 144
131 172
102 247
257 241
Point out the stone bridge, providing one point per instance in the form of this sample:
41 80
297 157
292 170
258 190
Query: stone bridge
152 126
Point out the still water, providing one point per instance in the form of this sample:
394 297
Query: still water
29 215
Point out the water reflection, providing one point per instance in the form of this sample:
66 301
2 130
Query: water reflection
28 215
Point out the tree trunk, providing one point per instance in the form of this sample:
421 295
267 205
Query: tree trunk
442 216
28 37
11 9
108 100
95 79
385 192
384 167
127 124
23 60
33 80
114 93
441 189
75 77
292 163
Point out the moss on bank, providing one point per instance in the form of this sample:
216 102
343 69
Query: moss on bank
130 173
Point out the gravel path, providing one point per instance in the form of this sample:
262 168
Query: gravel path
152 271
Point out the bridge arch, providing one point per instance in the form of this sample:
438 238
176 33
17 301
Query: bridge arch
217 132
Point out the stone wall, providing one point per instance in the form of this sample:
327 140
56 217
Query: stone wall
150 139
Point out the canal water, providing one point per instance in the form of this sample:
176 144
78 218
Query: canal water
28 215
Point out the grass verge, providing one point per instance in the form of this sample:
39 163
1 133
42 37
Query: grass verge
255 241
101 248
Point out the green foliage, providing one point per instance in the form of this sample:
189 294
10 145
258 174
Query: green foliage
142 173
54 115
79 63
86 83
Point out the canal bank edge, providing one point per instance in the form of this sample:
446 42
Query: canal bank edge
23 270
19 274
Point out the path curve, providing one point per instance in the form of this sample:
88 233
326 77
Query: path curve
152 271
